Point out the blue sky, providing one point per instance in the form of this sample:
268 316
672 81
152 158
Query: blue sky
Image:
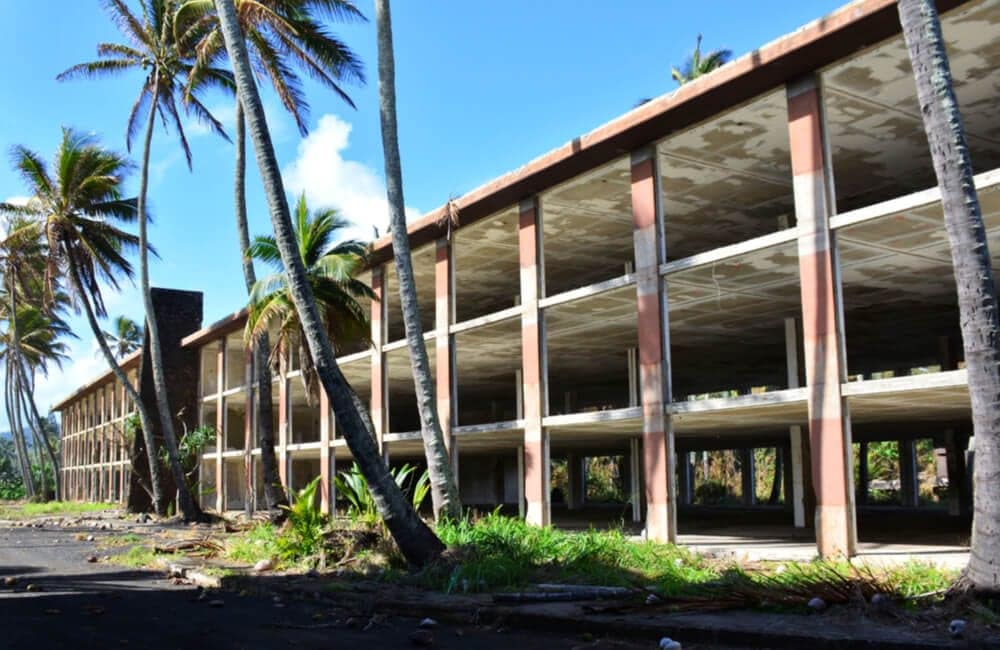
482 87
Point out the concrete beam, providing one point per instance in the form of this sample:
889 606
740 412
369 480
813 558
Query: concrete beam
908 202
821 322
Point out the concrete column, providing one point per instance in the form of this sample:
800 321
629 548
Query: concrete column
863 475
326 459
633 376
574 481
520 482
657 433
909 479
249 432
829 428
685 479
220 429
536 443
748 476
444 347
379 408
958 496
635 478
284 399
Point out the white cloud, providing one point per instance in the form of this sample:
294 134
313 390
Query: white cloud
17 200
332 181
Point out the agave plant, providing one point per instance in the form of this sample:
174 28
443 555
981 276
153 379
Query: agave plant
353 486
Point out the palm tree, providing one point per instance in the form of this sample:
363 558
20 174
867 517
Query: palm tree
415 539
279 34
29 345
444 489
331 268
699 64
977 297
20 262
79 208
125 336
166 63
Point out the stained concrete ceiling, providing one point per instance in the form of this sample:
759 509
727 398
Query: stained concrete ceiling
876 132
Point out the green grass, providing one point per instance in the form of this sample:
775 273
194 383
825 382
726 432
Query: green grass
121 540
141 556
498 552
258 543
26 510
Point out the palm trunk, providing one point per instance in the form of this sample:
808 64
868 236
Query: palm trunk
39 427
16 367
23 461
977 298
155 480
416 541
274 494
187 505
21 397
444 490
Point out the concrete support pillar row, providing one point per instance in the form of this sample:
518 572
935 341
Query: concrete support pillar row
657 432
635 478
829 427
533 370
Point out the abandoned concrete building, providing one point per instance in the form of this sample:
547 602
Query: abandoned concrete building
756 260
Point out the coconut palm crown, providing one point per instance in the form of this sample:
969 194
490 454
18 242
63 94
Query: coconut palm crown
699 64
167 62
331 267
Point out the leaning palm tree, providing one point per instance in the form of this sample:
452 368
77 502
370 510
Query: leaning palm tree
21 263
32 343
970 255
124 337
331 269
80 206
444 488
699 64
415 539
166 64
280 35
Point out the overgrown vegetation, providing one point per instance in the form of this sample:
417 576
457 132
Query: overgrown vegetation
498 552
353 487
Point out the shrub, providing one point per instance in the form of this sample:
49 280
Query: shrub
353 486
302 536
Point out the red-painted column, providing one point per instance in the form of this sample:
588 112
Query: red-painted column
249 427
378 315
829 432
657 436
443 308
536 444
283 405
220 428
325 452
